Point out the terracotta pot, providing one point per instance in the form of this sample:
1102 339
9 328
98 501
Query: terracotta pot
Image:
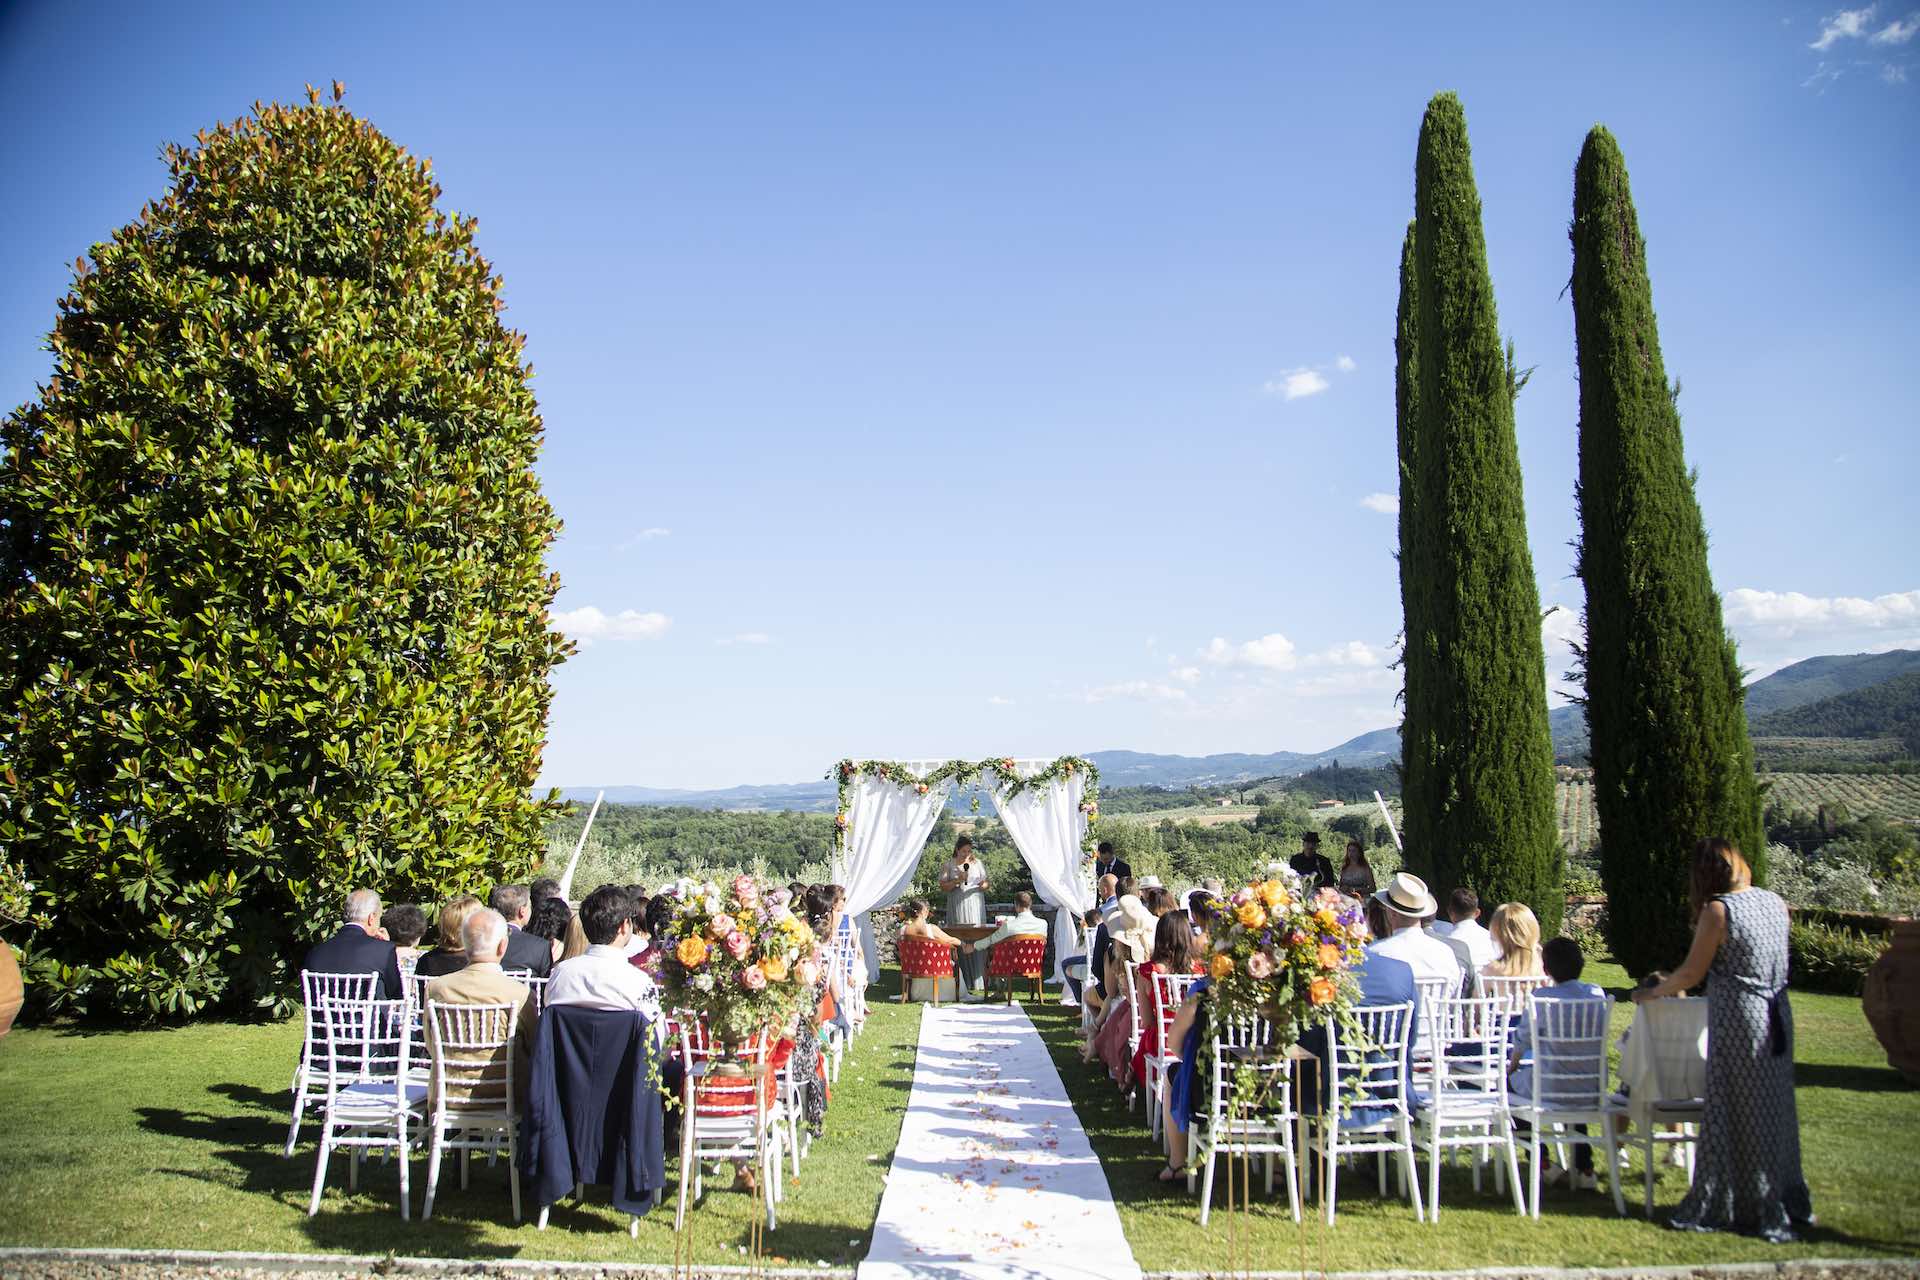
11 991
1892 1000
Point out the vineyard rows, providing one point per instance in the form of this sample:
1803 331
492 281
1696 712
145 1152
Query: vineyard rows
1895 796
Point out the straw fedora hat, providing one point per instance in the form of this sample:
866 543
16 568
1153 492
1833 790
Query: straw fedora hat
1407 894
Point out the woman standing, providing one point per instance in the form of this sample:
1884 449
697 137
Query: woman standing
1356 873
965 882
1748 1175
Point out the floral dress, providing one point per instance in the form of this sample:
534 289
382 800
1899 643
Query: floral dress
1747 1177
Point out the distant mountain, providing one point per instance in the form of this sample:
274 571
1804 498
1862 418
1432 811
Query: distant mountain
1794 686
1890 709
1818 678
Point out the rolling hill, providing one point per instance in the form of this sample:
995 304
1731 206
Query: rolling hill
1890 709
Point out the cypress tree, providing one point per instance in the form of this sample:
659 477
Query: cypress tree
272 590
1477 751
1665 707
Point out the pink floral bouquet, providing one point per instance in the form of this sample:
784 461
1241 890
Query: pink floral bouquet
738 957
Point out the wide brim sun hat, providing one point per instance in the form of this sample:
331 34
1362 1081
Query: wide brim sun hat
1407 894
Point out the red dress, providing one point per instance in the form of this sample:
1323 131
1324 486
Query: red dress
1149 1015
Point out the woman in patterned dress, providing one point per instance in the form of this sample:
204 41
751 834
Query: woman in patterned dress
1747 1177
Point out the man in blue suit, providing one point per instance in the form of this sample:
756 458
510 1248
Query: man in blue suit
1383 980
359 946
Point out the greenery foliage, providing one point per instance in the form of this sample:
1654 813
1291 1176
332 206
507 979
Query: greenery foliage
272 592
1822 958
1477 758
1665 705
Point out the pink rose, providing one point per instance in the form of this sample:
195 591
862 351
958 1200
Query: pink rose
721 925
1259 966
751 978
746 890
737 944
1241 897
807 973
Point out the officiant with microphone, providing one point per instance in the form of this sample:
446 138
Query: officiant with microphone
966 885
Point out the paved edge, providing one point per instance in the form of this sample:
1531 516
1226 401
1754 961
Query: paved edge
1787 1269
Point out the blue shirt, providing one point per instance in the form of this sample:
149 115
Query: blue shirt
1520 1082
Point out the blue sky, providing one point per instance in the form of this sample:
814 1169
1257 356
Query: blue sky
943 379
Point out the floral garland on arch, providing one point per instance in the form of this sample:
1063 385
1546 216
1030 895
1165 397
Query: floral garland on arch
740 959
961 773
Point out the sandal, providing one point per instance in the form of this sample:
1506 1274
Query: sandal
1170 1174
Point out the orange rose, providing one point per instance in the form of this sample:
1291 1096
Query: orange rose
1222 966
1251 914
1321 991
775 968
1330 956
692 952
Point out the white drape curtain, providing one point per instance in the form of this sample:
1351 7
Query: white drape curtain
887 827
1049 829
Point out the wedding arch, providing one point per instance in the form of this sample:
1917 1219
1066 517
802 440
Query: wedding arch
888 809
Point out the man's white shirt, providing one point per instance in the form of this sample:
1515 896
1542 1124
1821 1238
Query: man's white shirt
1482 950
602 978
1023 925
1428 957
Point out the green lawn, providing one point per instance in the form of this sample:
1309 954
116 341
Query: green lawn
173 1139
1859 1125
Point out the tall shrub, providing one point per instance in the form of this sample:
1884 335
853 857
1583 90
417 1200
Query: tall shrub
272 592
1477 752
1665 709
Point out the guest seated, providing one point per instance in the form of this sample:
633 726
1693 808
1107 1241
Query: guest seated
659 936
524 950
1021 924
1564 963
600 977
919 924
638 942
1406 904
549 921
1131 932
1176 951
482 981
1461 930
450 953
1383 981
1516 932
357 945
403 924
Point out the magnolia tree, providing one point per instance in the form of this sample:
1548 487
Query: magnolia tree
272 591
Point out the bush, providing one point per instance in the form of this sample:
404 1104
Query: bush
271 583
1830 960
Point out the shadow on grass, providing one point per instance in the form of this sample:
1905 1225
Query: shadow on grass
1854 1079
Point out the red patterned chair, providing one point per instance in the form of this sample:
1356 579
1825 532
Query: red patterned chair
1021 957
924 958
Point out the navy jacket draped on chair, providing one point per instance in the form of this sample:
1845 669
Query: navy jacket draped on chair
593 1108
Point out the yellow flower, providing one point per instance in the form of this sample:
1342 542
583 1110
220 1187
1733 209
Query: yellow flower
1222 966
775 968
1251 914
1273 893
692 952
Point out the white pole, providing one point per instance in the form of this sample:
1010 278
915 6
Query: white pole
1392 830
566 881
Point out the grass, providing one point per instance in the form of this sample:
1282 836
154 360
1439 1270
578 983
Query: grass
1858 1125
173 1139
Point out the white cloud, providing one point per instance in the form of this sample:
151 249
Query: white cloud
997 701
1823 75
1847 24
1145 690
1296 384
1387 504
1271 652
1354 653
1893 73
1788 614
644 535
747 637
1185 675
1899 31
588 624
1560 629
1345 364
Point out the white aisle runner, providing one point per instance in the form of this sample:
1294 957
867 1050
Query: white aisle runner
994 1175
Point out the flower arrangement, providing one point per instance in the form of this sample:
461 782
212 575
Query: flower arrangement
1286 956
740 958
